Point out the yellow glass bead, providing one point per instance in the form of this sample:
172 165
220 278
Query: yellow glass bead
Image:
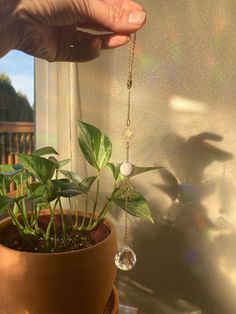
128 133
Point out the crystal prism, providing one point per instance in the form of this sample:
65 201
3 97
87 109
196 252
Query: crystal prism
125 259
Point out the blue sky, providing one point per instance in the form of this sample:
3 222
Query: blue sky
20 68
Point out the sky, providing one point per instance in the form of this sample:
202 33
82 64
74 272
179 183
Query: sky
20 68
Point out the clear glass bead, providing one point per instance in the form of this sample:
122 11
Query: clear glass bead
128 133
125 259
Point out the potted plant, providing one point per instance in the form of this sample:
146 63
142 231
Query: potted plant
57 260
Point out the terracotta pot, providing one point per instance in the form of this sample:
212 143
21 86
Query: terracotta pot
77 282
112 306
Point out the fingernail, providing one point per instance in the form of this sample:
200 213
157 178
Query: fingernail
137 17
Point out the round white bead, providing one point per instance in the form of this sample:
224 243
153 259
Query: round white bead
126 169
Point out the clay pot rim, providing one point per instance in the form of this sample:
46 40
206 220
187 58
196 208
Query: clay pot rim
116 300
105 221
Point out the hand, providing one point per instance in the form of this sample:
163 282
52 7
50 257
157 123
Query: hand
47 28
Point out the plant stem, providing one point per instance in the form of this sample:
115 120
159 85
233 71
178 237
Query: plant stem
85 213
24 212
101 215
35 215
96 200
18 224
76 214
15 208
64 227
51 223
26 223
4 187
70 213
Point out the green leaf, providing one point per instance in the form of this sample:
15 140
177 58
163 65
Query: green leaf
37 192
54 160
36 198
86 184
54 188
63 162
45 151
46 192
138 170
8 174
37 188
59 163
7 170
115 169
70 189
5 202
95 146
42 168
17 167
71 175
18 199
59 183
137 204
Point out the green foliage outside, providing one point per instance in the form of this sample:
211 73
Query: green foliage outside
14 106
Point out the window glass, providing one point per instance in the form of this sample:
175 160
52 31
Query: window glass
16 106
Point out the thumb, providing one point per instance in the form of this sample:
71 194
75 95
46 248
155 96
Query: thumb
114 17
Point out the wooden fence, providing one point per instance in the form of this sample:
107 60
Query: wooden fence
15 137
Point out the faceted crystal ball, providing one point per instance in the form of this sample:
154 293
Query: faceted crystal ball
125 259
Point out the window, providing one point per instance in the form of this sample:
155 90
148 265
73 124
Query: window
16 106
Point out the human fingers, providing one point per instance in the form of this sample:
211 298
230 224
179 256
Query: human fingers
116 18
76 46
119 18
81 46
114 40
124 4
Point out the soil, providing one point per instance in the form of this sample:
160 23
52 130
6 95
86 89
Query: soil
76 240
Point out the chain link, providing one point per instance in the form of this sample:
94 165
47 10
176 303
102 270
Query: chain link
127 187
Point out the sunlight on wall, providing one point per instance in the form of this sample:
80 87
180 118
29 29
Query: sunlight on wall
181 104
224 269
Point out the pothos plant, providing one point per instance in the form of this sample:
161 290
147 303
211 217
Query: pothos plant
42 184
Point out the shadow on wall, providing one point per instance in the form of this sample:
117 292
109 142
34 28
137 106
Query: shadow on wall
181 257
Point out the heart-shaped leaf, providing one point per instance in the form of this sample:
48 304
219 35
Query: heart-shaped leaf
8 174
138 170
17 167
137 204
115 169
59 163
5 202
42 168
95 146
45 151
70 189
86 184
71 175
63 162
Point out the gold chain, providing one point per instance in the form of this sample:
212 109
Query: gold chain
127 188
